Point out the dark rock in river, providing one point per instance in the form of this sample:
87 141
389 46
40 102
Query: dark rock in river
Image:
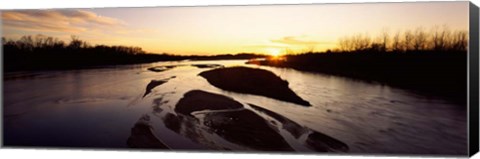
151 85
173 122
155 83
207 65
142 136
161 68
200 100
243 128
226 118
246 128
252 81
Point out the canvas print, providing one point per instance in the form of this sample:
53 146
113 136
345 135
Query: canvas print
365 78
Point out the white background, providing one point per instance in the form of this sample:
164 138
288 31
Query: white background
85 154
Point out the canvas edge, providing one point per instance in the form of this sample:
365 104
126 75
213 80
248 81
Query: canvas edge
1 84
473 80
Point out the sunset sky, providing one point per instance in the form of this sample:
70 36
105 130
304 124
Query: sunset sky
233 29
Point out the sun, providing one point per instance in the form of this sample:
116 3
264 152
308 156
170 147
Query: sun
274 52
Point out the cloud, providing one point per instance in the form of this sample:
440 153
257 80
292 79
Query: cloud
292 40
267 46
72 21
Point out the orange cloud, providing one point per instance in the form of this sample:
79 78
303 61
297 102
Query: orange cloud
72 21
267 46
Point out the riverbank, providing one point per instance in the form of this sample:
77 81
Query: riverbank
440 74
35 62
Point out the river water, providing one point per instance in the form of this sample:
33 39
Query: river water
97 108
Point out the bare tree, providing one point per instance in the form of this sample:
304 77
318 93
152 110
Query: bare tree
385 39
396 42
75 43
346 44
361 42
459 40
439 39
407 43
445 37
420 39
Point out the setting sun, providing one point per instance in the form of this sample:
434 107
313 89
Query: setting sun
274 52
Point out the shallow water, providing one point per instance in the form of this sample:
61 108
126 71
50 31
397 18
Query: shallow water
98 107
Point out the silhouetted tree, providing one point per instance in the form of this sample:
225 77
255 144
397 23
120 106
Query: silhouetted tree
438 40
396 43
460 40
361 42
419 39
385 40
408 41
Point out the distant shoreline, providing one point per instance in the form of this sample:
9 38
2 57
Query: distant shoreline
30 53
440 74
72 63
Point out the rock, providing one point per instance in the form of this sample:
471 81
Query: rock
252 81
142 136
155 83
207 65
226 118
173 122
196 100
246 128
161 68
157 69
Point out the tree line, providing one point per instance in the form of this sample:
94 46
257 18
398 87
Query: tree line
45 52
40 52
438 39
45 44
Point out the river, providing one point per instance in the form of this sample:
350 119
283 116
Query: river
97 108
